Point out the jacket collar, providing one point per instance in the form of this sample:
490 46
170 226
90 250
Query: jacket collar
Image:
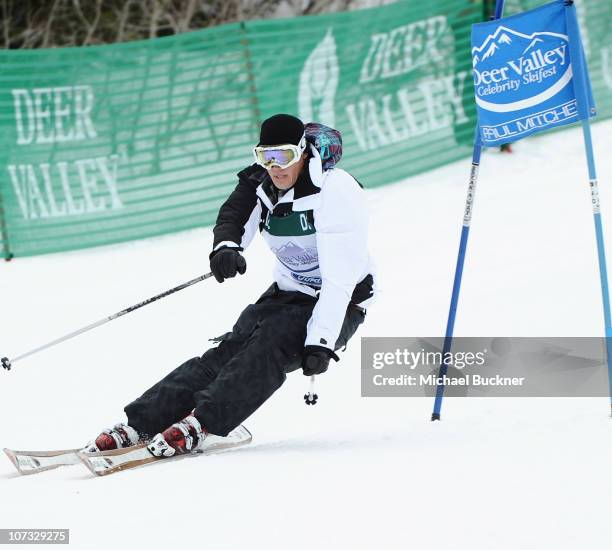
269 194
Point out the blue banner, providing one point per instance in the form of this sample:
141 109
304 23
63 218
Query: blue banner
530 73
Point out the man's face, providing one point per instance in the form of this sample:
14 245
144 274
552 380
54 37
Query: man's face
285 178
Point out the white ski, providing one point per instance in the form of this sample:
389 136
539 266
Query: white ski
34 462
109 462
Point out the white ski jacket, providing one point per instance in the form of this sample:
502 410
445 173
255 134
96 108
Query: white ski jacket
318 231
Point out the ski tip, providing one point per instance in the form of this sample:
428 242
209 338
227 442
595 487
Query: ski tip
10 454
108 462
24 465
94 462
34 462
85 459
13 458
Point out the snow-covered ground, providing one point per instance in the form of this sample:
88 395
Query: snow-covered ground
351 472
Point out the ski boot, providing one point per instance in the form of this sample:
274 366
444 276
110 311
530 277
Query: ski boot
118 437
185 436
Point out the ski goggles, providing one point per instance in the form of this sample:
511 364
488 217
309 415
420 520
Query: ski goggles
282 156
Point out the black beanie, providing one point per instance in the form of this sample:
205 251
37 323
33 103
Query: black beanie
281 129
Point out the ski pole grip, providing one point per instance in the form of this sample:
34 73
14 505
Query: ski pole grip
6 364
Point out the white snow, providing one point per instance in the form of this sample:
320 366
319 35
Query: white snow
351 472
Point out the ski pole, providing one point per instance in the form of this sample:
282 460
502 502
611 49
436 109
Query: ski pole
7 363
311 397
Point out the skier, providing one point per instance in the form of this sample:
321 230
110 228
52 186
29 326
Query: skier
313 217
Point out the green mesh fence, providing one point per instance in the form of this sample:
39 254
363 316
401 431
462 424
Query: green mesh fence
111 143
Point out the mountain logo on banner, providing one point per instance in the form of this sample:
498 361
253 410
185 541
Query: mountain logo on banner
530 73
513 70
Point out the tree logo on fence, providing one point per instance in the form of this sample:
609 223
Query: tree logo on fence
514 70
319 82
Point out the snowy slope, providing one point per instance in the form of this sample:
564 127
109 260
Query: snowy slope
351 472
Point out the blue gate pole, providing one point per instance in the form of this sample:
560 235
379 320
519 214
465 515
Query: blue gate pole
601 250
465 232
585 109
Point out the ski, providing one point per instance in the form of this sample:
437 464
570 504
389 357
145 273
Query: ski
109 462
34 462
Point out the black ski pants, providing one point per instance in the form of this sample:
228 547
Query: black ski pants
231 381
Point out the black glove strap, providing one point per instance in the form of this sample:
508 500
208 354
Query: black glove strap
330 353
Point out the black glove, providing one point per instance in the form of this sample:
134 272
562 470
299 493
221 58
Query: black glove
226 262
315 359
